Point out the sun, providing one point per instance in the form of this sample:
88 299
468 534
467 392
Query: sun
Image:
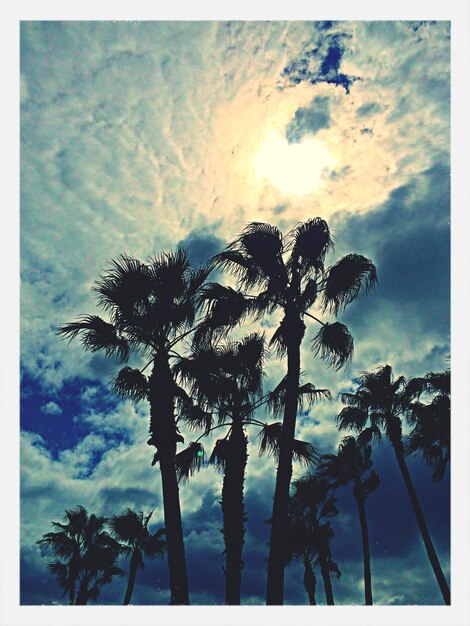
293 168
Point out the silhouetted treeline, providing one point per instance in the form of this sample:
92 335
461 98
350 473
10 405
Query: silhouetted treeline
166 311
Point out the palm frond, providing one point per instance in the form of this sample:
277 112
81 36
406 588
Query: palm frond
220 454
269 436
334 344
131 383
346 279
310 242
125 286
352 418
255 257
307 395
97 335
189 461
370 483
304 453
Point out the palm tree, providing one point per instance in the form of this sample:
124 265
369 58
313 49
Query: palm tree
353 464
151 307
226 383
309 538
85 554
380 400
130 529
430 436
287 273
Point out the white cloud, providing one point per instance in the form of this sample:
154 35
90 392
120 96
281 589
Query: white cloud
51 408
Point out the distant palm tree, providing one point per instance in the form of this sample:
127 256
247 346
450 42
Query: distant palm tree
151 306
353 464
380 400
287 273
86 554
309 538
130 529
430 436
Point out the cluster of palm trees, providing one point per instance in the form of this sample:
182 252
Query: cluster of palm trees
87 547
166 311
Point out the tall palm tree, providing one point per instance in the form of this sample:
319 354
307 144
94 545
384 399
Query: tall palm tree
287 273
130 529
353 464
430 436
151 306
311 504
380 400
85 554
227 382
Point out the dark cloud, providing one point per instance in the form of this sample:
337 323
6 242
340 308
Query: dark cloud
321 63
408 238
309 120
368 109
201 244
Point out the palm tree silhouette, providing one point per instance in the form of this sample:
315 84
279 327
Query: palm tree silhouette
380 400
353 464
85 554
130 529
151 306
430 436
287 273
309 538
226 383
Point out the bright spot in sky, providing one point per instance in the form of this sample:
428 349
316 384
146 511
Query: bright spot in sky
293 168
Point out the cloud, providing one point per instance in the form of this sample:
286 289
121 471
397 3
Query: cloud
309 120
51 408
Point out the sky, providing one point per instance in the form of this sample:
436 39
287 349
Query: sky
137 137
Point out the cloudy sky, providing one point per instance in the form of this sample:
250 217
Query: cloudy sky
140 136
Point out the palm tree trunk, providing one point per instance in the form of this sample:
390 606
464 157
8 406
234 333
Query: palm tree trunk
359 495
131 581
398 447
82 596
163 431
234 512
310 582
325 572
277 552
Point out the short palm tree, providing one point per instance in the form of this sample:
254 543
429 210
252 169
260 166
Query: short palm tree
353 464
381 400
151 306
130 529
430 436
85 554
309 534
287 274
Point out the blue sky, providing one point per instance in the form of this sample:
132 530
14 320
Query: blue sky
137 137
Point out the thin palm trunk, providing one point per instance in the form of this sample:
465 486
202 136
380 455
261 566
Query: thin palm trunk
275 585
398 447
163 428
131 581
72 591
365 541
325 572
82 596
310 582
234 512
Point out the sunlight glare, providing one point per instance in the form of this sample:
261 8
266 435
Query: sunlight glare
293 168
